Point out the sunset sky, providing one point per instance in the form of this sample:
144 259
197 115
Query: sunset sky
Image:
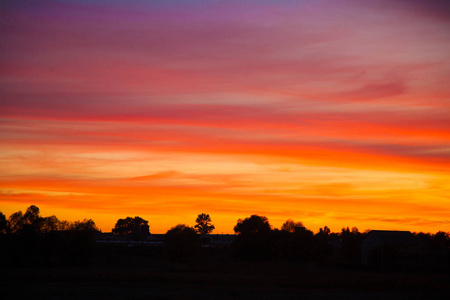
331 113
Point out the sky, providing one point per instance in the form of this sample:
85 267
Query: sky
331 113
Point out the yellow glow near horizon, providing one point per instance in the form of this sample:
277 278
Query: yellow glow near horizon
331 113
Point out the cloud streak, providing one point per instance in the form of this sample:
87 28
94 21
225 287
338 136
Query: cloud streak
238 108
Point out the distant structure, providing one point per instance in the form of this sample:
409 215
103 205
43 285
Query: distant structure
110 238
217 240
207 240
383 243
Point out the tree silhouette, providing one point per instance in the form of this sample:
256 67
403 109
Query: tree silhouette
253 225
50 224
302 243
15 222
441 239
64 225
351 244
254 239
32 221
182 243
324 231
85 225
133 228
323 248
291 226
33 240
204 225
3 223
31 215
79 242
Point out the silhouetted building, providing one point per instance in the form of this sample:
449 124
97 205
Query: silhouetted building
390 247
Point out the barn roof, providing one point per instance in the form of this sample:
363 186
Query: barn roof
394 237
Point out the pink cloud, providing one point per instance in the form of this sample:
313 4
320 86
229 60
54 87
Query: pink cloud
344 83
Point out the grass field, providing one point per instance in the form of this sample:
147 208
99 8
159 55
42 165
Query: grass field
138 278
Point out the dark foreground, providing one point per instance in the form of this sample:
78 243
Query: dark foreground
225 280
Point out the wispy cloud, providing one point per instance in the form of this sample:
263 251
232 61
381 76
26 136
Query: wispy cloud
172 107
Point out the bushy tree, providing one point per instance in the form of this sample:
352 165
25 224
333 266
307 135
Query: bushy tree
254 239
204 225
134 228
442 239
292 226
49 224
15 222
32 215
85 225
253 225
182 243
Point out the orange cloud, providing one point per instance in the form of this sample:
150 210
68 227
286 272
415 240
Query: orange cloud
278 109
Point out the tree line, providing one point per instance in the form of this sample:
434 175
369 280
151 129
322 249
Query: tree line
32 221
30 237
134 228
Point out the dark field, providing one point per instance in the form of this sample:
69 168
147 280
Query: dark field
144 278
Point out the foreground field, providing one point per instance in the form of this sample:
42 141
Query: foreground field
226 280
